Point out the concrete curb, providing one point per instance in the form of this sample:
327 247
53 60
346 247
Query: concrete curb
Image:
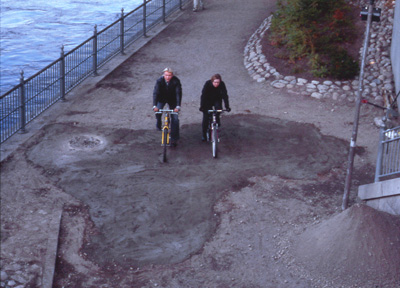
52 248
383 196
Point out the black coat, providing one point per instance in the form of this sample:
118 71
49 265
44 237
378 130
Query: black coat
211 96
171 94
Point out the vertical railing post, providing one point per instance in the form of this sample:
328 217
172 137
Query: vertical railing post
22 106
180 5
378 169
163 11
122 32
94 52
144 18
62 74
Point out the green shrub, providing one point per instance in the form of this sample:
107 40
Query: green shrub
312 29
318 67
343 66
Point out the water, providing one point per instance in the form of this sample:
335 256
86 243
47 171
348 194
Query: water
33 31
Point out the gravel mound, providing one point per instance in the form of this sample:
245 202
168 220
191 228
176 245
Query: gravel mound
360 245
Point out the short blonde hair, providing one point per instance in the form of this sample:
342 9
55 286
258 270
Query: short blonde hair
169 70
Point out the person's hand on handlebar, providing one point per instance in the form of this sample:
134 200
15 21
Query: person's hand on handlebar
155 109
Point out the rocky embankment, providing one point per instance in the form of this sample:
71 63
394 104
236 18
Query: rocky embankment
378 76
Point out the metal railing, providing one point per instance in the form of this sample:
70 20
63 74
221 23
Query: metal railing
388 160
32 96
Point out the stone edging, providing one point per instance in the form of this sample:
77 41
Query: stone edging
378 76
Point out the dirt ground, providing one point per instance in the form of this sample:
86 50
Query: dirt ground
266 213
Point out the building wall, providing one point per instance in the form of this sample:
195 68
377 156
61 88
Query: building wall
383 195
395 49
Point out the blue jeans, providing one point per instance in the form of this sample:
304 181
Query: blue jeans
174 121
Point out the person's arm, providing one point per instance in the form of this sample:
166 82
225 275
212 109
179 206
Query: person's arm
156 93
178 93
203 96
225 96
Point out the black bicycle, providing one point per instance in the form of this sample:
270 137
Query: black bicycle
212 131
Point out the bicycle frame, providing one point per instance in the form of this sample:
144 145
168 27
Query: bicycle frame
166 130
212 133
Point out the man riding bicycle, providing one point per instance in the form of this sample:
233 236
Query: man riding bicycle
168 90
214 91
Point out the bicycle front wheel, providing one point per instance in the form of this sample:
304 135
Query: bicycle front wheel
214 137
165 143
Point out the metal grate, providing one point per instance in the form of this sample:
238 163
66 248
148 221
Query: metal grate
388 163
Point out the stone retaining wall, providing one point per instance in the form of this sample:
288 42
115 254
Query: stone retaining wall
378 76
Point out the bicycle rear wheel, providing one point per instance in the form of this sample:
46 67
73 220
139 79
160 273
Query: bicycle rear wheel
214 137
165 143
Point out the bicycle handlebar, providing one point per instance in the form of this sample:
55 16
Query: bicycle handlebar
211 111
160 111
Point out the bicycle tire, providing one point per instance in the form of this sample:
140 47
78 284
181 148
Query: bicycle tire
214 138
165 144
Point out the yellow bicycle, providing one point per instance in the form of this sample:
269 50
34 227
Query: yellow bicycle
166 130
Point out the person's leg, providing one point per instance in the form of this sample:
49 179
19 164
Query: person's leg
218 119
218 106
204 125
174 128
195 5
160 105
174 125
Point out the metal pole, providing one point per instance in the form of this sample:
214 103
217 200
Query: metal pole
22 107
62 74
94 52
353 140
122 32
180 5
144 18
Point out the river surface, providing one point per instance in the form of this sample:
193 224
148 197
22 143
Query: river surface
33 31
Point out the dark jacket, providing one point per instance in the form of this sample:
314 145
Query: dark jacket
211 96
171 94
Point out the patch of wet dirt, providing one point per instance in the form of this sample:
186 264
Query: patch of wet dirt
139 215
149 212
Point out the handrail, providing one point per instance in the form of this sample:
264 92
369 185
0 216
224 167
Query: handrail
32 96
388 159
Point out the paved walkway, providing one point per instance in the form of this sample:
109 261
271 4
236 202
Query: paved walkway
195 45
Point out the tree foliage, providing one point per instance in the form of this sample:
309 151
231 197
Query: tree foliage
316 30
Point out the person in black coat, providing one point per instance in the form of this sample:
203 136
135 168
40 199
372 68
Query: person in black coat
214 91
168 90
